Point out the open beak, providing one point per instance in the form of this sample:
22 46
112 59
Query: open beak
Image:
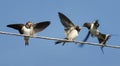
30 24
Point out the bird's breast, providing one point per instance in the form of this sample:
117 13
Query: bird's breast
94 32
72 34
27 31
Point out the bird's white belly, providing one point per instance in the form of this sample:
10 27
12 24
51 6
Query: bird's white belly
72 35
28 32
94 32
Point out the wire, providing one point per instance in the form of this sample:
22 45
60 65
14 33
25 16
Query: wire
58 39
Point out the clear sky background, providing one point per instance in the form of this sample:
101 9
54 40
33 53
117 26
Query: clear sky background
42 52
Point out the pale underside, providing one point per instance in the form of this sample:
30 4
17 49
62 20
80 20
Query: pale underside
71 33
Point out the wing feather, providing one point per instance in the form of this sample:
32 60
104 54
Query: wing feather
40 26
17 27
66 22
87 37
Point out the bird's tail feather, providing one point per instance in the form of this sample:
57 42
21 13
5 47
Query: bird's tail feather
102 50
58 42
26 38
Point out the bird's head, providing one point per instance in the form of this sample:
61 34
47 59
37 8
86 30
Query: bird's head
29 24
96 23
87 25
78 28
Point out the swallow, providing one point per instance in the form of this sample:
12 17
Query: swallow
71 31
29 29
93 30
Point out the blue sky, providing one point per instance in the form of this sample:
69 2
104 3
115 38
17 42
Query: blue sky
42 52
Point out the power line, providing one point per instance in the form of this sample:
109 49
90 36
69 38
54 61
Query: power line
58 39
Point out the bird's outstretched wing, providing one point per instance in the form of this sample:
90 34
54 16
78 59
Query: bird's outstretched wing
17 27
40 26
87 37
66 22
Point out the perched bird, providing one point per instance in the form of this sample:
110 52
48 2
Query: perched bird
93 30
71 31
29 28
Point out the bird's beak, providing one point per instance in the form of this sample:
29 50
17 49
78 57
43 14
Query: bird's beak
30 24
